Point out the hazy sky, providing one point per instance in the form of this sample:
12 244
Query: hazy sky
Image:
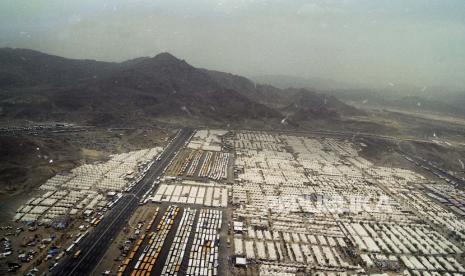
420 42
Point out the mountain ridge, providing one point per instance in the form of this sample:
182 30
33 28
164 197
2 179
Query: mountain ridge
36 86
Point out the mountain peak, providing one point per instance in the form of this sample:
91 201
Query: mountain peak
166 57
162 60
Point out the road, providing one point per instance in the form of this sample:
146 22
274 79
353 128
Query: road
94 246
350 135
429 166
39 130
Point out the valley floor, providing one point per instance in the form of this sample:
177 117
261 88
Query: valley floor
243 202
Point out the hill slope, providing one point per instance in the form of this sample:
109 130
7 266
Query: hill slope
23 67
309 104
38 86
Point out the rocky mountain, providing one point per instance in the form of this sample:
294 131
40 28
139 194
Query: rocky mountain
307 105
441 103
302 103
40 87
23 67
447 100
285 81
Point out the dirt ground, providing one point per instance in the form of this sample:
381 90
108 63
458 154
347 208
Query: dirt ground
27 161
68 150
437 138
26 240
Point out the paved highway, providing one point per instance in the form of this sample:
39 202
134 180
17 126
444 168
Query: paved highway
344 134
94 246
429 166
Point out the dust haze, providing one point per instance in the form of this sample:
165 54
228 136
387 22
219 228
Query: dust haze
364 43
